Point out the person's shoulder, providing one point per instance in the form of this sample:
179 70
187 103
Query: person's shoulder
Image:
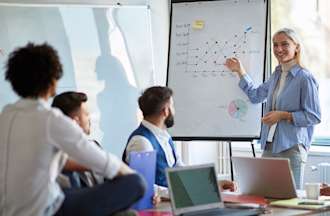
7 108
306 76
138 139
55 111
57 116
24 105
304 72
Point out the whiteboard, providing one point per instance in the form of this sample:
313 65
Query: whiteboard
209 105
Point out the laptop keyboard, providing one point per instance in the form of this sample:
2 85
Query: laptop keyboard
225 211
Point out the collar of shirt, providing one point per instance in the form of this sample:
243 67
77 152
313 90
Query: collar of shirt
158 132
29 102
163 137
293 70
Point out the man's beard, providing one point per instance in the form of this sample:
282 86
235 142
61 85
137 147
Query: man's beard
169 121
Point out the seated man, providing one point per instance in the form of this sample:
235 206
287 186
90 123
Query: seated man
73 105
156 104
35 141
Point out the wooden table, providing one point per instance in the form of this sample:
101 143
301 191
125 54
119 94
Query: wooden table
165 207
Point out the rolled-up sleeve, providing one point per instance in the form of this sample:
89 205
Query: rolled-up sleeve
310 113
138 143
255 94
69 137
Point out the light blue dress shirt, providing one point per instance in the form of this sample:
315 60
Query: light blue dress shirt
299 96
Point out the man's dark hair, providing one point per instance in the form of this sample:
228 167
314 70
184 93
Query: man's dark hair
69 102
153 99
32 69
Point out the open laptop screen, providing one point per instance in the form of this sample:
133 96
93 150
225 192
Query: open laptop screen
267 177
194 187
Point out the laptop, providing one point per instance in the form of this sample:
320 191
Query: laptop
194 191
267 177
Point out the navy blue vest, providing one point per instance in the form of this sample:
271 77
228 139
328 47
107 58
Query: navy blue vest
161 163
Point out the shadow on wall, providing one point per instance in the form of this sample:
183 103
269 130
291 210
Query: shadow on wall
20 25
118 100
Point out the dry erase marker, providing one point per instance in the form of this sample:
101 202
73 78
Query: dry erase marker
307 202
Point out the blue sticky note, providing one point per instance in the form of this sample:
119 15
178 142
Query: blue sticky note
145 164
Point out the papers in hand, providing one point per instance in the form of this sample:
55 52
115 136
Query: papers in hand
271 133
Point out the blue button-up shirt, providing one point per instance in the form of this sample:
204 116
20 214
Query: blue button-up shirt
299 96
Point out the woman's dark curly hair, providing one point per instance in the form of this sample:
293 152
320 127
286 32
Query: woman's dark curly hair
32 69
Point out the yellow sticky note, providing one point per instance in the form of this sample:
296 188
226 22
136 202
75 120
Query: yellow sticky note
198 24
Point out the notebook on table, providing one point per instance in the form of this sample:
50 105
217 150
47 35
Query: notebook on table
194 191
302 204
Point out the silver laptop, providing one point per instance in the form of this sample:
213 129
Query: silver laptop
267 177
194 191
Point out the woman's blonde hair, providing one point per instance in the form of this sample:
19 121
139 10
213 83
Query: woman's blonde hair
290 33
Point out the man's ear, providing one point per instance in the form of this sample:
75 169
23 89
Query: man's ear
167 110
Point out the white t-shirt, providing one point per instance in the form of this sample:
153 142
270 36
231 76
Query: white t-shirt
33 139
278 90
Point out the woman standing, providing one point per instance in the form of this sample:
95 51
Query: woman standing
292 103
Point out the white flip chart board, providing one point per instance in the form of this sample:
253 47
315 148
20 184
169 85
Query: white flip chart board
208 101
